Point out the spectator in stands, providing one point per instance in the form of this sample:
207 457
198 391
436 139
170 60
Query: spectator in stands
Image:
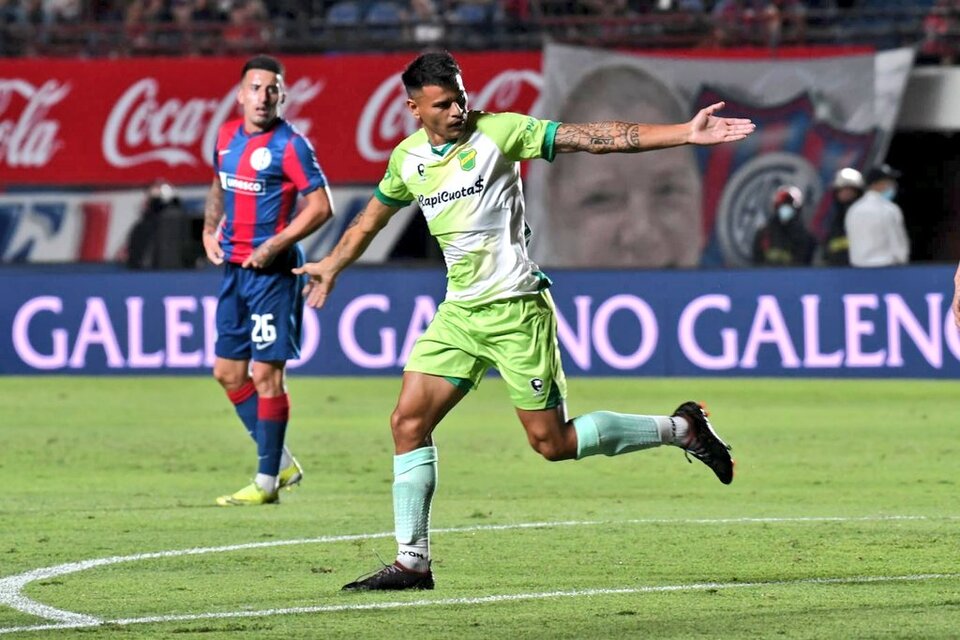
783 239
182 32
847 186
248 26
106 11
33 13
207 11
161 237
643 210
780 21
941 30
142 19
11 12
728 22
602 8
875 229
425 22
62 11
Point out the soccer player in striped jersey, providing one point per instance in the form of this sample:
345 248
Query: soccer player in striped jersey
251 227
463 169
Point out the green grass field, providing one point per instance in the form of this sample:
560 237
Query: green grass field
843 520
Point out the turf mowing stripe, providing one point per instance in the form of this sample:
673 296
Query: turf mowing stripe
11 587
512 597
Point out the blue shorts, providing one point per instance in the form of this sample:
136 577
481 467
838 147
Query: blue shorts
260 311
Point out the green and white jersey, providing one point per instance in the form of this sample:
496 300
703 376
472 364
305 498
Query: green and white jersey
471 195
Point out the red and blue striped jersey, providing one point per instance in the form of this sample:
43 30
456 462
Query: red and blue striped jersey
261 174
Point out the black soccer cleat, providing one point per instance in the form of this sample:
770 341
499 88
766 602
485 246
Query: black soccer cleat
393 577
704 444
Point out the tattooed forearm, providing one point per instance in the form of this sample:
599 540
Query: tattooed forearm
213 208
619 137
599 137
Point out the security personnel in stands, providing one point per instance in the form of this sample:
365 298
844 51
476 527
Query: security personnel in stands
847 186
783 240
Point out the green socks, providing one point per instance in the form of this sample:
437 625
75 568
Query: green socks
612 433
414 481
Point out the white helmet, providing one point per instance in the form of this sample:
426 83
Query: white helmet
848 177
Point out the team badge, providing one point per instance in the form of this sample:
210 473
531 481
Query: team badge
468 159
791 145
260 159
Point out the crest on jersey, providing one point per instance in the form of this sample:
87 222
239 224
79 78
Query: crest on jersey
468 159
260 159
791 146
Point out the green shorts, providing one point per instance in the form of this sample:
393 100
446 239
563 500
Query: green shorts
517 337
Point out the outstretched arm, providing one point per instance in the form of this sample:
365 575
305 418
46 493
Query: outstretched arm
631 137
355 240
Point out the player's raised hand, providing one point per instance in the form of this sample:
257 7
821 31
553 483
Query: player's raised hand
706 128
322 279
211 246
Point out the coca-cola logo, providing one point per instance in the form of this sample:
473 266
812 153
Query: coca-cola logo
144 128
386 120
29 139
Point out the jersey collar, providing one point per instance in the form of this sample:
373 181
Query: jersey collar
441 151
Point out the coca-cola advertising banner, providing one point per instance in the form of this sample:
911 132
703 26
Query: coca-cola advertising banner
126 122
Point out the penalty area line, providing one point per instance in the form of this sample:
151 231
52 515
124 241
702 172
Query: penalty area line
481 600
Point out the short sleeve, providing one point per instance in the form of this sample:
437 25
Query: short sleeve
392 190
300 164
520 137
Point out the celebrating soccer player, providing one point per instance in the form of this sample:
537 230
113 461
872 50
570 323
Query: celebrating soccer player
462 168
261 161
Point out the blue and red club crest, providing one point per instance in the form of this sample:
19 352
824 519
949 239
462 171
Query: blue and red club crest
790 146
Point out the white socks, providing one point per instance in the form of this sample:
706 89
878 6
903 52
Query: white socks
265 482
673 430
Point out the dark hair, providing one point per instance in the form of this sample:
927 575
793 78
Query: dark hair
436 68
267 63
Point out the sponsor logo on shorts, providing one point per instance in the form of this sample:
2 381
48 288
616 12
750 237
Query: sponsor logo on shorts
236 184
537 385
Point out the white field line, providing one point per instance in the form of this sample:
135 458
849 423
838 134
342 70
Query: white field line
11 587
510 597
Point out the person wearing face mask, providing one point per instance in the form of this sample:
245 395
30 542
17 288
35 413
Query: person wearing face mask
874 224
783 240
160 239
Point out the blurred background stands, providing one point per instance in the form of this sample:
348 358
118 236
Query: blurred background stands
204 27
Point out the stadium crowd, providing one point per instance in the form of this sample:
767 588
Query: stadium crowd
143 27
